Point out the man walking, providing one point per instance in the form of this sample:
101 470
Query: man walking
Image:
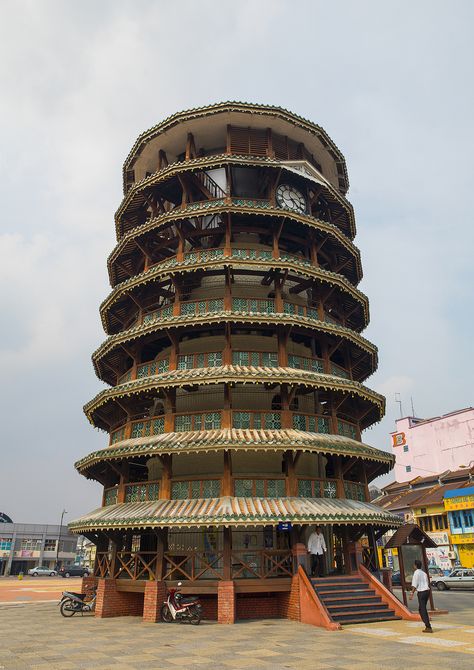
420 584
317 547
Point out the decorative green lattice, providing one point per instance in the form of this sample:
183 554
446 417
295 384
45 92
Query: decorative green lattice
117 436
158 425
243 488
329 490
214 359
188 308
211 488
241 420
272 420
195 489
212 420
186 362
183 423
338 371
305 489
269 359
138 429
240 357
163 365
346 429
179 490
110 496
275 488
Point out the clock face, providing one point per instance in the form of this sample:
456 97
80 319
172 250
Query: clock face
289 197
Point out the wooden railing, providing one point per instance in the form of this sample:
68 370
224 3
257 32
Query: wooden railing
212 187
192 361
314 487
142 491
194 565
260 487
240 418
261 563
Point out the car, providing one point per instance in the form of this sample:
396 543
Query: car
435 571
460 578
74 571
42 570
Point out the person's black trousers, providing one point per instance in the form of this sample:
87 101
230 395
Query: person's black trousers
422 602
317 565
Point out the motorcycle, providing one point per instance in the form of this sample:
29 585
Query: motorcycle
181 608
72 603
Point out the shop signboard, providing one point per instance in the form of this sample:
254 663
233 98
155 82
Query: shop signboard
459 499
465 538
440 537
439 557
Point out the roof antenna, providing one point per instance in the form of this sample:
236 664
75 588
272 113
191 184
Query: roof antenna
398 399
412 408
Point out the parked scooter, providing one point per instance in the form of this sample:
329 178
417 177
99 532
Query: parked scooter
71 603
181 608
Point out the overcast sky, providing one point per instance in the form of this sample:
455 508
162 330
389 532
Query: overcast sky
392 84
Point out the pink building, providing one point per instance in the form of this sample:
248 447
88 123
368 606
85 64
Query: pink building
431 446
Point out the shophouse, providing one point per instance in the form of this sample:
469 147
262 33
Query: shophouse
459 505
27 545
429 446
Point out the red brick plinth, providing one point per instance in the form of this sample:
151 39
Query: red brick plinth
112 602
155 595
226 602
88 583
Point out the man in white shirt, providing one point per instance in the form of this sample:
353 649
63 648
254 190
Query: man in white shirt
421 585
317 547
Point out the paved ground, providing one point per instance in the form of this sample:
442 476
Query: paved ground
36 588
35 636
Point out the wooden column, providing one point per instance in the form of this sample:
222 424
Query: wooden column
227 575
170 409
282 338
333 419
278 296
314 253
227 489
286 418
226 411
162 545
228 236
165 485
123 480
177 297
174 353
365 482
227 356
340 480
228 292
291 480
325 356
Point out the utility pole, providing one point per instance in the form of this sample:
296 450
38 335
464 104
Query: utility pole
59 538
398 399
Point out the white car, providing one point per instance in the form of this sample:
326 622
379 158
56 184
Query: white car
460 578
42 570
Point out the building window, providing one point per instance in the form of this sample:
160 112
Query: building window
29 544
468 516
5 544
405 447
457 520
407 468
50 545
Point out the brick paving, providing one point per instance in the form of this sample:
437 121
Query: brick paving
35 636
13 589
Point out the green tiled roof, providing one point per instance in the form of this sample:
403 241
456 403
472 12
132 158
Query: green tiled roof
234 511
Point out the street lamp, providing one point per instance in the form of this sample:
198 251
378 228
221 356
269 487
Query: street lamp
59 538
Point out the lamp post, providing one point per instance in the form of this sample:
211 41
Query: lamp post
59 538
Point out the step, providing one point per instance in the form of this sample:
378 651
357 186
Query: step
367 614
363 588
356 609
337 578
363 619
353 598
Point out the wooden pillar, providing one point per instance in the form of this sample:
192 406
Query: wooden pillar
282 339
227 574
340 480
333 419
174 353
325 356
226 411
228 236
227 356
286 418
170 409
365 482
177 297
314 253
165 485
278 296
122 483
228 292
161 548
291 480
227 489
276 248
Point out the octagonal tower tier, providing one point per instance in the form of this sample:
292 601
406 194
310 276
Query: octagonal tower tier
234 357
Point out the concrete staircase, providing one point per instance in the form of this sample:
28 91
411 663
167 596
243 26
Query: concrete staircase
351 600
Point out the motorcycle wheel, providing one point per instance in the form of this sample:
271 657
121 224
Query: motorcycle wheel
166 615
195 618
66 608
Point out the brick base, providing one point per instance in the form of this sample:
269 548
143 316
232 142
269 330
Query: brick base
226 602
289 601
209 607
88 583
155 595
257 605
111 602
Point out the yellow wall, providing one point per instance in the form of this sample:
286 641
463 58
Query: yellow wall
466 555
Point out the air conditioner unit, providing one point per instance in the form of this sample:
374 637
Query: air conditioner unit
452 555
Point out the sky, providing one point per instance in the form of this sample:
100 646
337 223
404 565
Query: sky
390 82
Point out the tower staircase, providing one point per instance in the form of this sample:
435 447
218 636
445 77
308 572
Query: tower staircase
350 599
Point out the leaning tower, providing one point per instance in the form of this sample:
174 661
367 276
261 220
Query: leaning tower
235 364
